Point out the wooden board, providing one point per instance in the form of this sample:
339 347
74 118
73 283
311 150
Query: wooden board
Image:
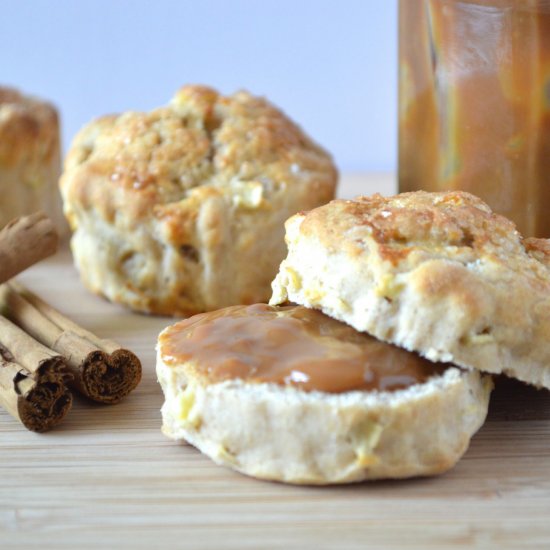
107 477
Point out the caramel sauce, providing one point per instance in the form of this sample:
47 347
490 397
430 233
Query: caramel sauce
291 346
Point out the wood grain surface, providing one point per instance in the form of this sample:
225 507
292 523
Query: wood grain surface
107 477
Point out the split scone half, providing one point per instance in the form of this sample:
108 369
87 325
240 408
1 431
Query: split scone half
435 273
289 394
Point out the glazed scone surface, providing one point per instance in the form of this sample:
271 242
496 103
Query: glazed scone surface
181 209
272 421
436 273
29 157
291 346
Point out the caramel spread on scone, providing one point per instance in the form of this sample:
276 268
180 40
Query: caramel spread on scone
290 345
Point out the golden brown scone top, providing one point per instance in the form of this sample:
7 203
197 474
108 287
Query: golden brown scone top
29 128
410 228
149 161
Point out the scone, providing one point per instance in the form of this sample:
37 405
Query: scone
29 158
289 394
182 209
436 273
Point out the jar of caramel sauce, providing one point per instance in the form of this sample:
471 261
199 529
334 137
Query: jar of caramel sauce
474 103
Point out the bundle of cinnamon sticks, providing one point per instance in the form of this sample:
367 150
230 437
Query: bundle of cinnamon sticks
44 355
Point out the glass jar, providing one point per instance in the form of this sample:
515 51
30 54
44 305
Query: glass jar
474 103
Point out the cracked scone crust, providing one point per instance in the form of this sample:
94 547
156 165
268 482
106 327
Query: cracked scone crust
29 157
285 434
437 273
181 209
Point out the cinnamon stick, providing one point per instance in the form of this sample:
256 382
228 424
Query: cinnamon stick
38 401
32 380
101 369
25 241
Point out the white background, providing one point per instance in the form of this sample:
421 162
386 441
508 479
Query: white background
331 65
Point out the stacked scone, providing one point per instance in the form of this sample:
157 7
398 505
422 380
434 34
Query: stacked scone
435 273
306 394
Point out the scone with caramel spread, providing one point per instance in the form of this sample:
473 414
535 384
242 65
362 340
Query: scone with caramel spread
289 394
181 209
29 157
436 273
